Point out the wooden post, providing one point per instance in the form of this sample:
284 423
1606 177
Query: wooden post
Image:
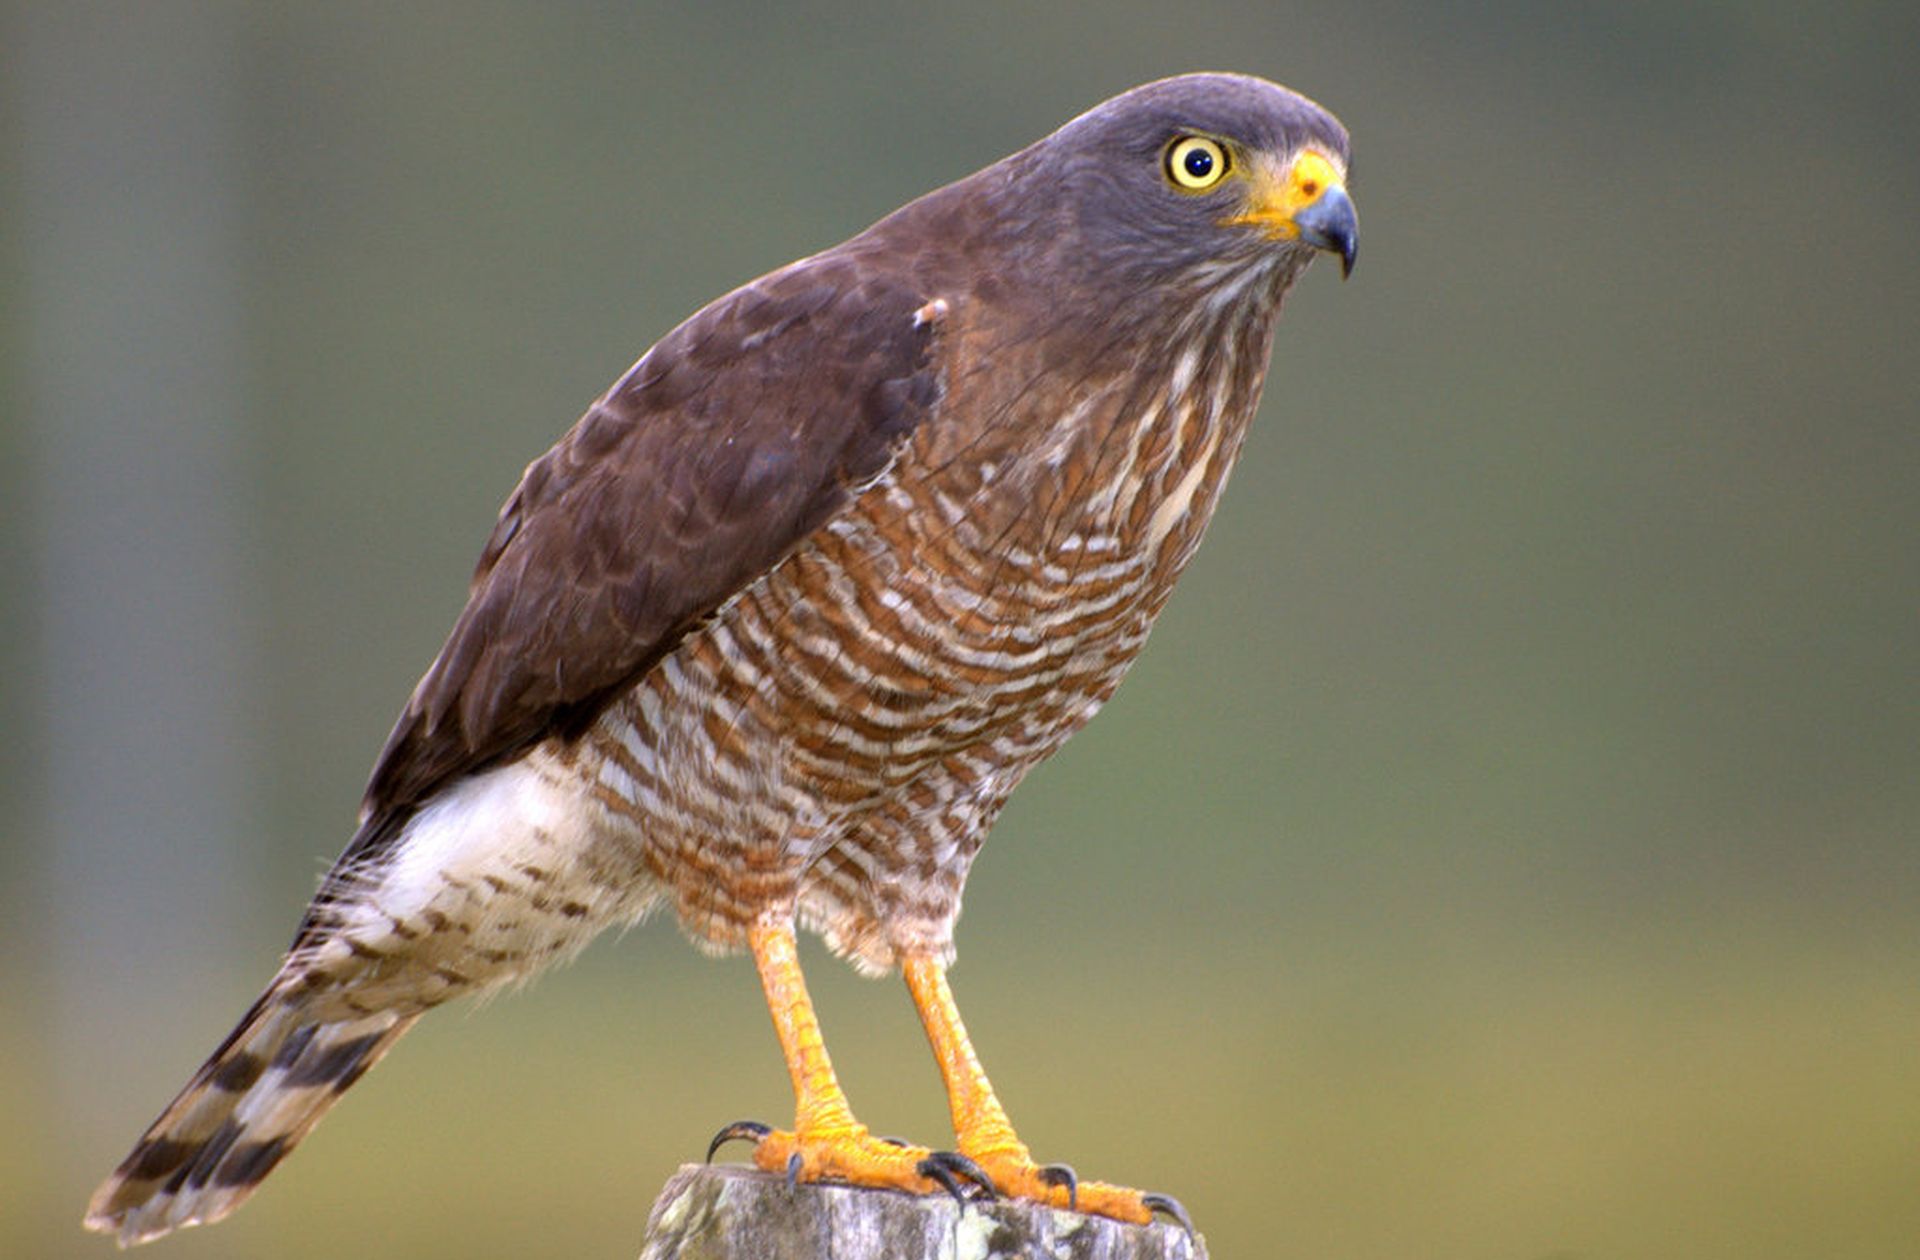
734 1213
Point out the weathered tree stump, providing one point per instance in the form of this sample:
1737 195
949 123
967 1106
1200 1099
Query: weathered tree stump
733 1213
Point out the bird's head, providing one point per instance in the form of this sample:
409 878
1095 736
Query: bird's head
1203 175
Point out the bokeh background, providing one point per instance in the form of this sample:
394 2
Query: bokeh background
1505 848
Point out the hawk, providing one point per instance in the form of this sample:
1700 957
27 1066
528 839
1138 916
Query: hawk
771 634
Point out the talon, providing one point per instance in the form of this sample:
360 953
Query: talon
1063 1175
752 1130
934 1170
793 1173
1170 1206
894 1141
954 1163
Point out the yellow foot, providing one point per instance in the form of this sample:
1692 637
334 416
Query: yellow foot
1016 1175
855 1157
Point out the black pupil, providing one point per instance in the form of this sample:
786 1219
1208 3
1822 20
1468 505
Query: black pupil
1199 162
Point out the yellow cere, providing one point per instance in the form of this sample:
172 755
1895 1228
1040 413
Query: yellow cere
1276 197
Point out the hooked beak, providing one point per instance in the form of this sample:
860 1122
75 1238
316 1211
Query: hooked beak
1306 202
1331 224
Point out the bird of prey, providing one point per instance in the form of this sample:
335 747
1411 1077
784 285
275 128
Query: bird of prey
774 630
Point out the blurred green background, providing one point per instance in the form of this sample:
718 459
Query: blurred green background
1506 847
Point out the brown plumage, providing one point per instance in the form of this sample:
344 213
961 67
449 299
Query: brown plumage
773 632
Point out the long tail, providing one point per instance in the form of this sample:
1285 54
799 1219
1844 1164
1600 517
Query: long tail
248 1105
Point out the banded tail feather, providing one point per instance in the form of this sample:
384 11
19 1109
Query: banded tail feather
262 1091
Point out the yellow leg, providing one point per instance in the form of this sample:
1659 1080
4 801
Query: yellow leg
980 1124
821 1104
827 1143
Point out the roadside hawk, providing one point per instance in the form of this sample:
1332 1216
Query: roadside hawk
772 633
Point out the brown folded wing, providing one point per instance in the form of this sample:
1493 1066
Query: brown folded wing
743 431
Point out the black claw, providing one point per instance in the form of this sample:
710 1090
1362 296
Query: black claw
1172 1207
974 1173
793 1175
948 1167
896 1141
752 1130
944 1175
1063 1175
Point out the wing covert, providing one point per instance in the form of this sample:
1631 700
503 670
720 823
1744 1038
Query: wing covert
744 430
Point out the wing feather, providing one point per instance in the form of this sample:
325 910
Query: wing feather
740 433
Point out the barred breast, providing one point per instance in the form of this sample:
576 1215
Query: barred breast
839 738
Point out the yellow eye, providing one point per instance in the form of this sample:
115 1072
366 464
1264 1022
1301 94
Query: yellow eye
1195 163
